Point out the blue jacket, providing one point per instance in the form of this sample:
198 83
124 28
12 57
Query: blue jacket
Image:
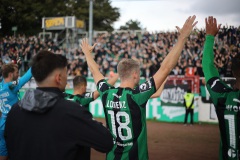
9 94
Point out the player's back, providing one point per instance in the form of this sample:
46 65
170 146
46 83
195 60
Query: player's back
228 112
126 118
125 113
227 104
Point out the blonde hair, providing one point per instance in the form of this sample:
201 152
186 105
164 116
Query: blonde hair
126 67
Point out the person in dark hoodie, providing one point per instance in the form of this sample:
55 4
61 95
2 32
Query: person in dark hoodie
84 98
44 125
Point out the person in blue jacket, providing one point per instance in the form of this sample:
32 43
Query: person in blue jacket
9 95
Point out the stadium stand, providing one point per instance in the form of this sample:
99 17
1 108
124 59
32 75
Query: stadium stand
149 48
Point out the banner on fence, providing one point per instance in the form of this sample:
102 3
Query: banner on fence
172 95
168 109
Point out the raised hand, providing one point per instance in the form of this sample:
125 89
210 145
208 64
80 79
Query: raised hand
86 48
92 47
211 26
187 27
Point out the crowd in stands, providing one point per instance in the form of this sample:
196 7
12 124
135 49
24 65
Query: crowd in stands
148 48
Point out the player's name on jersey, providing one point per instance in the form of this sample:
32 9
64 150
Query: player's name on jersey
5 94
233 108
118 105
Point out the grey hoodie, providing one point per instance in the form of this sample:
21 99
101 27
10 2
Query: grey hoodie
39 101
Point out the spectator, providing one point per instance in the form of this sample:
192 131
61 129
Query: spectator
152 48
48 126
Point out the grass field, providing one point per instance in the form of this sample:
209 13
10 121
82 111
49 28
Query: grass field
173 141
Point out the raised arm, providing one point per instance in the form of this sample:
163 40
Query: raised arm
208 66
216 87
111 81
23 80
93 66
172 58
26 77
159 91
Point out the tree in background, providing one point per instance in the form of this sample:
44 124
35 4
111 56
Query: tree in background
27 14
131 25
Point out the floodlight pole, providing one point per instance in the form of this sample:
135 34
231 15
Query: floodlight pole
67 38
90 21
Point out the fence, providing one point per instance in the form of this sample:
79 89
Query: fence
167 108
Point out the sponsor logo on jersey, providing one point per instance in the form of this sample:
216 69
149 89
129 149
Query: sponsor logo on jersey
217 86
233 108
70 99
236 100
117 105
115 95
125 144
232 153
214 83
100 85
145 86
14 84
88 95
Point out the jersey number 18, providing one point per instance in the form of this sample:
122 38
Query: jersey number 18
122 125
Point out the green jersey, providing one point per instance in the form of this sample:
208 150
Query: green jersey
125 113
83 100
227 104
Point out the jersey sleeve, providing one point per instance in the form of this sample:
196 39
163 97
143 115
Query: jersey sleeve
22 81
86 99
218 90
208 66
103 86
81 100
144 91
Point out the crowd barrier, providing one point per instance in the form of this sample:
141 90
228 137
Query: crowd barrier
167 108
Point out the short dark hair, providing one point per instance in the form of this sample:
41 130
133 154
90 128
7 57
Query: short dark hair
79 80
236 66
8 68
45 62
